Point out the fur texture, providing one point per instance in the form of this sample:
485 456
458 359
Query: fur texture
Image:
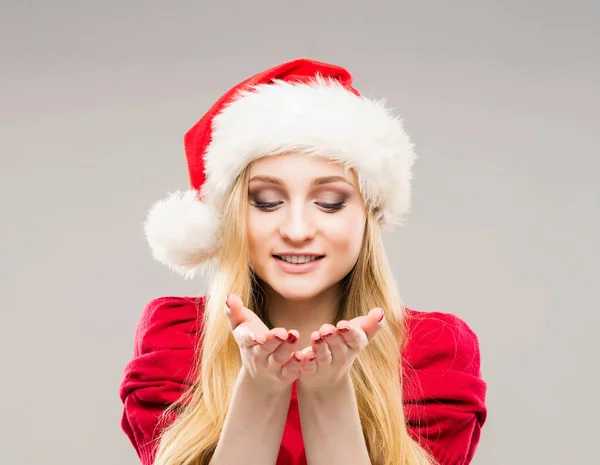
322 119
182 232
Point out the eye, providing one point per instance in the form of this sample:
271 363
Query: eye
331 207
266 206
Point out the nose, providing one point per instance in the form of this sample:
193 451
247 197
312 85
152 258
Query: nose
297 225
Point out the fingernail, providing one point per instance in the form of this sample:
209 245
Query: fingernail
320 340
312 359
279 338
296 358
257 341
344 329
328 334
381 317
292 339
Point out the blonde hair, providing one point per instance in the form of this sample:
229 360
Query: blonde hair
376 373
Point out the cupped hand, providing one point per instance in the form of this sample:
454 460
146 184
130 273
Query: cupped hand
334 348
267 355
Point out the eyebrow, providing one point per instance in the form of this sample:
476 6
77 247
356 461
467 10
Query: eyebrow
315 182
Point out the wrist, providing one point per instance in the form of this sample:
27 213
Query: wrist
263 389
329 392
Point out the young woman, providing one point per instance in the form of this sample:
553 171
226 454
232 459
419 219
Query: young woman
302 352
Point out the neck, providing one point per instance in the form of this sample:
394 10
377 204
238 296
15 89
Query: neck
305 316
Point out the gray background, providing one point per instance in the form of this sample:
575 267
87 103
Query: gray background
501 99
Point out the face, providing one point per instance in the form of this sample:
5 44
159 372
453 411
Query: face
306 220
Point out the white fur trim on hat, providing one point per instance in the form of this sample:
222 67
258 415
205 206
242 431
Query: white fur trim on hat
321 118
182 232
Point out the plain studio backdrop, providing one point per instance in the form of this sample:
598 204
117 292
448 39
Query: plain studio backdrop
501 99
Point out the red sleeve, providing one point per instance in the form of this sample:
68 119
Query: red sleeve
444 394
160 369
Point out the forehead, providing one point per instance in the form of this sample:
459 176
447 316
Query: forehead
298 165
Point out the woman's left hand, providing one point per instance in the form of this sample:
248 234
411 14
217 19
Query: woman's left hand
333 350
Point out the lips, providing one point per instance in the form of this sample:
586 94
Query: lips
304 263
298 259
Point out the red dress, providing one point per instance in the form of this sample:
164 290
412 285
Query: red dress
444 400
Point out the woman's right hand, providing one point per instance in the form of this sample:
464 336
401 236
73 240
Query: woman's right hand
267 355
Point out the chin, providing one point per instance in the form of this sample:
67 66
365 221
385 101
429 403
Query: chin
299 287
298 291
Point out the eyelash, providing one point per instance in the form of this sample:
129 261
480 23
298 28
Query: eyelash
269 206
332 206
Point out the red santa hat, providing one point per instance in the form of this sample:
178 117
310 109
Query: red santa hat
302 105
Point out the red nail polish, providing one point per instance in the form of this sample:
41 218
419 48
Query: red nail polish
292 339
382 315
320 340
312 359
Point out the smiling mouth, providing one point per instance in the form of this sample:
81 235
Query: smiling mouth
299 259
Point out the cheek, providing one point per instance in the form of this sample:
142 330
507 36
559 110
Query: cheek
346 231
254 233
260 231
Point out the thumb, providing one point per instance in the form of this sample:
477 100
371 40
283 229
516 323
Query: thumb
235 311
372 322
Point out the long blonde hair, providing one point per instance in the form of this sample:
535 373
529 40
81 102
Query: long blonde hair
376 373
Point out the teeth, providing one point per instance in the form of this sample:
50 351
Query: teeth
299 259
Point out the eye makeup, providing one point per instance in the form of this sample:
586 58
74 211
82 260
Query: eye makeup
267 206
329 200
332 206
264 199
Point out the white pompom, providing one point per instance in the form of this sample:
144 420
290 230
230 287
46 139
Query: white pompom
182 232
